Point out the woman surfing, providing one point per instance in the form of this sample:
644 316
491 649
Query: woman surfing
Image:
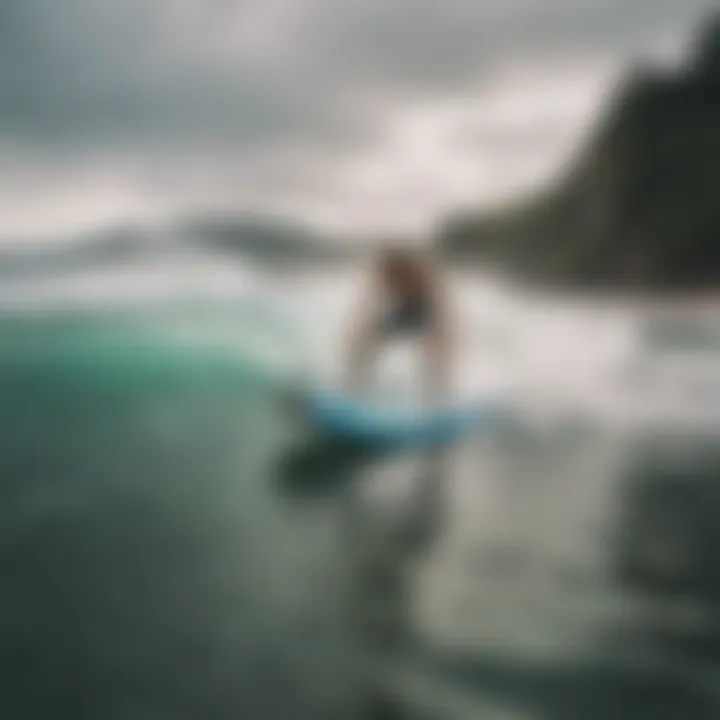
405 296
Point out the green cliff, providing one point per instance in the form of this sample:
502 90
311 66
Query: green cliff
639 207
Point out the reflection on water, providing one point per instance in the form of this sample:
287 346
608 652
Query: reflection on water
174 542
535 575
667 546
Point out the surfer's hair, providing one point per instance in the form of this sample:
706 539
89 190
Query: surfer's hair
397 260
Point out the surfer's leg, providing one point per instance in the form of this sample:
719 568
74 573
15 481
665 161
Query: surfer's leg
436 371
363 351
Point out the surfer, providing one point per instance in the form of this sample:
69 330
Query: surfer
404 297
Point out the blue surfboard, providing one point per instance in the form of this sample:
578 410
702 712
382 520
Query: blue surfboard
354 421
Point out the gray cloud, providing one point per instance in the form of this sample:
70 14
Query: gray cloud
244 81
85 72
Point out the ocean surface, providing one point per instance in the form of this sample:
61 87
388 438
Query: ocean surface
175 542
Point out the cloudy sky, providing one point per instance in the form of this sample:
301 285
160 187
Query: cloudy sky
367 115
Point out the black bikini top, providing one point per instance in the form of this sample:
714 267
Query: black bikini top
407 314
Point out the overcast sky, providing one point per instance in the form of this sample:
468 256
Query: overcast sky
368 115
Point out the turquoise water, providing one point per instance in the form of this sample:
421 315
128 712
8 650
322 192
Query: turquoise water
174 542
149 570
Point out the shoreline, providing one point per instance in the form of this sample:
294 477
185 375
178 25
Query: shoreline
634 299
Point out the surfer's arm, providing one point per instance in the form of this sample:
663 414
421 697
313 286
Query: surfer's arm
362 345
439 354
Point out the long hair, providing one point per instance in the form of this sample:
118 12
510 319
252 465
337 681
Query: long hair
399 265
